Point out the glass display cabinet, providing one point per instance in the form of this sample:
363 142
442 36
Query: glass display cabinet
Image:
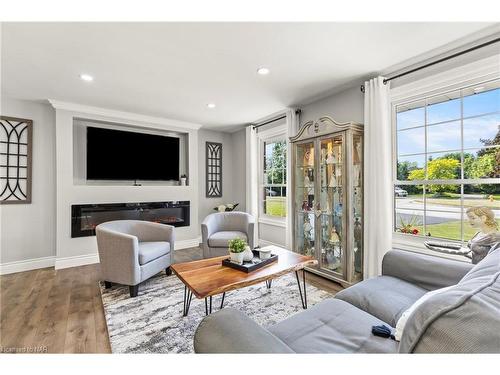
327 193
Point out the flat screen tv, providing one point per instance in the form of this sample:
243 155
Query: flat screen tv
124 155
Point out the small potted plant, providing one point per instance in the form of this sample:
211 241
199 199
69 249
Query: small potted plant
183 180
236 249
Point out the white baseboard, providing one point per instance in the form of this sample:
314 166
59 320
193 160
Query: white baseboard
67 262
184 244
79 260
26 265
263 243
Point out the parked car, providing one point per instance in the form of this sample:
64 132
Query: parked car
398 192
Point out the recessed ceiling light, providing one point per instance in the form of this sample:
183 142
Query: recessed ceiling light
211 105
86 77
480 88
263 71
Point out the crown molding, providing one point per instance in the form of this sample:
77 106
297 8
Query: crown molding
80 108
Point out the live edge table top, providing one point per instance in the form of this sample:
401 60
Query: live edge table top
208 277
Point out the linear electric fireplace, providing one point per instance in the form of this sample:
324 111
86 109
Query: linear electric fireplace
85 217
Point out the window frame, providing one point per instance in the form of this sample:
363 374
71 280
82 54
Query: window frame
275 134
480 72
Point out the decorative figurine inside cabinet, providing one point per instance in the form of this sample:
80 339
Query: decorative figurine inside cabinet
327 193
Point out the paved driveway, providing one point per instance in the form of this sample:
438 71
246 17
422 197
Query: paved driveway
436 213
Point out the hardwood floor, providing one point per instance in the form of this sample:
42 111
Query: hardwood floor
61 311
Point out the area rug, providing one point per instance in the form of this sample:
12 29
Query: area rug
152 322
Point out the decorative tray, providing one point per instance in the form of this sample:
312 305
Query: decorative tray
252 265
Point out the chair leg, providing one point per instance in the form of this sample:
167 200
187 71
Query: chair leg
134 289
107 284
168 271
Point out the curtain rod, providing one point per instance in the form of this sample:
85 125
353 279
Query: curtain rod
297 112
493 41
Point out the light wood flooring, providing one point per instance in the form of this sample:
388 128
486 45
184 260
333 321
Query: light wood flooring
61 311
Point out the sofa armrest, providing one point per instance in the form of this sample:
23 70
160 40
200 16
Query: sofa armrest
427 271
230 331
118 256
208 227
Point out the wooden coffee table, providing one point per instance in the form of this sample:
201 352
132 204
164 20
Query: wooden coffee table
208 277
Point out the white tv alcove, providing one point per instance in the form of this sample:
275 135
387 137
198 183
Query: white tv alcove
73 189
80 126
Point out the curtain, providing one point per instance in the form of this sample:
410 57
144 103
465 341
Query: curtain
292 123
252 193
378 177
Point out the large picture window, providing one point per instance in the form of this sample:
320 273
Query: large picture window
274 178
447 160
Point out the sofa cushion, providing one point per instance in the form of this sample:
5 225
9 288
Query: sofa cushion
385 297
400 325
488 266
463 319
332 326
149 251
220 239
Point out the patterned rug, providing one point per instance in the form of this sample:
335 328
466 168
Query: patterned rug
153 322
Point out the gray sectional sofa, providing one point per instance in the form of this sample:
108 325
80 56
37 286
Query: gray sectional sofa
464 318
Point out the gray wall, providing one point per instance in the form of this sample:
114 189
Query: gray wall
28 231
347 105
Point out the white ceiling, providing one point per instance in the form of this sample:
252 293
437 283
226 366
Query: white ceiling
174 69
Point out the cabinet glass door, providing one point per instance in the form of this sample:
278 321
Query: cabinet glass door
332 246
357 205
304 198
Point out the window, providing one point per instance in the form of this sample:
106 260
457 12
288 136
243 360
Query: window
274 178
447 161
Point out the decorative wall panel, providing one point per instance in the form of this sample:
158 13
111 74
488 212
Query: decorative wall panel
15 160
214 170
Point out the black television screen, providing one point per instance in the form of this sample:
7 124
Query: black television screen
124 155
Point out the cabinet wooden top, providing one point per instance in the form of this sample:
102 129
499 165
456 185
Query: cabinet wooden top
208 277
323 126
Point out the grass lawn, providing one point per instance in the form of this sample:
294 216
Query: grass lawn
276 206
449 230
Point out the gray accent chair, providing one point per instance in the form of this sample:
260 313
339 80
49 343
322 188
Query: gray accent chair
218 228
131 251
464 318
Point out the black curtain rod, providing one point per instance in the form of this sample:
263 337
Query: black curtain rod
297 112
493 41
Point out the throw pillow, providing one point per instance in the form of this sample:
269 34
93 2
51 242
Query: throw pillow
400 325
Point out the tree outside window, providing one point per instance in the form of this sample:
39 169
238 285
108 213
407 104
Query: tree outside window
274 179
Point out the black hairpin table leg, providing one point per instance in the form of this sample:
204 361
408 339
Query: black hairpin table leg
303 297
269 283
208 310
222 302
188 295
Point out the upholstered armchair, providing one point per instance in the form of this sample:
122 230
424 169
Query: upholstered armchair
131 251
218 228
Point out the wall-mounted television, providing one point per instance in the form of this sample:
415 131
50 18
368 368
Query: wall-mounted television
125 155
